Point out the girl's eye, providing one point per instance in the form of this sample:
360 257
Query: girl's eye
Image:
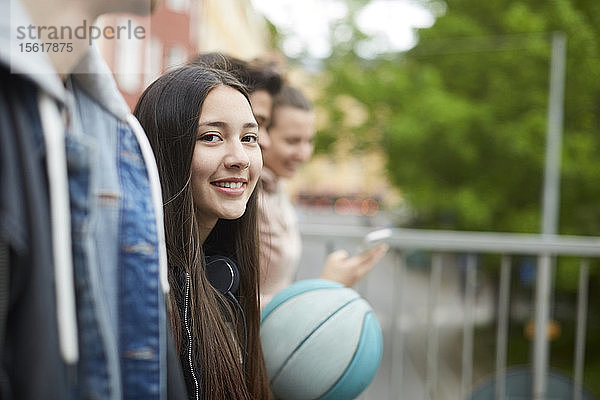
250 138
210 138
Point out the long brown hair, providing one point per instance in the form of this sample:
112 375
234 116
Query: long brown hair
169 110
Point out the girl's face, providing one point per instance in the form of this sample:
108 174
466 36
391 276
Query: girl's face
227 161
291 135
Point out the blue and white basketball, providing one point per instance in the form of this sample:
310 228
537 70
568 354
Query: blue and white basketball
321 340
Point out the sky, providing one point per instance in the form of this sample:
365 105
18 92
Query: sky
305 24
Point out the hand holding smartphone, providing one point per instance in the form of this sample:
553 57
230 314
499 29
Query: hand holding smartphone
341 267
374 238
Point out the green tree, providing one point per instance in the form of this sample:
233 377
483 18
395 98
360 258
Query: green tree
462 116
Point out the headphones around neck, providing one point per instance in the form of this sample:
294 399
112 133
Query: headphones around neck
224 276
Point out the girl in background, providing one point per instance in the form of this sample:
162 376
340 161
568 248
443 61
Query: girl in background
291 134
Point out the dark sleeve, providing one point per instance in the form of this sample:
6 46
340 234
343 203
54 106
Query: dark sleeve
31 365
176 389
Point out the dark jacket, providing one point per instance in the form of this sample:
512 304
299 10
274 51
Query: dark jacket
32 366
191 368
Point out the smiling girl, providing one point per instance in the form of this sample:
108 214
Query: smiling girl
205 140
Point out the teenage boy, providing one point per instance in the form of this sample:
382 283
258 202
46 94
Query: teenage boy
82 255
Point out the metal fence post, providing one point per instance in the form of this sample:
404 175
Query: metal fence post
397 367
468 325
435 282
580 334
502 328
542 313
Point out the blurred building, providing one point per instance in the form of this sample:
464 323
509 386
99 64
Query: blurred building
234 27
176 31
343 181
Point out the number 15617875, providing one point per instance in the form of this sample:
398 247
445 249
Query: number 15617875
37 47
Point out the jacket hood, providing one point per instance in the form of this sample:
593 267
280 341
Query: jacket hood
96 79
35 66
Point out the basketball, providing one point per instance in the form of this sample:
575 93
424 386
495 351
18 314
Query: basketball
321 340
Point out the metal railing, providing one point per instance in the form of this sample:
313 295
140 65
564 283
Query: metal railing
439 243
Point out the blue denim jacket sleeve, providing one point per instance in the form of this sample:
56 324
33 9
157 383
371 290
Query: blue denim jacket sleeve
120 304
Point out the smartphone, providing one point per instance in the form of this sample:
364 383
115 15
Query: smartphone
374 238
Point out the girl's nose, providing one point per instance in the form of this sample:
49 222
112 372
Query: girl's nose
237 157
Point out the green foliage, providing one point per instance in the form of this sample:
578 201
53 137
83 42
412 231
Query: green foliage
274 35
462 116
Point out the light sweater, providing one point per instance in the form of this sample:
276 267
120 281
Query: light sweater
280 242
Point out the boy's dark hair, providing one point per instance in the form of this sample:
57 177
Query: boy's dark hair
292 97
255 75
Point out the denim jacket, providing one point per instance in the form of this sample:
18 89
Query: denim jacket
120 284
112 320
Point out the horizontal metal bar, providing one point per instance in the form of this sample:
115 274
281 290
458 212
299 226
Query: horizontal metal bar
467 241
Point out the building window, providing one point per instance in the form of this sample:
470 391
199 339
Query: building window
176 56
128 60
178 5
154 60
